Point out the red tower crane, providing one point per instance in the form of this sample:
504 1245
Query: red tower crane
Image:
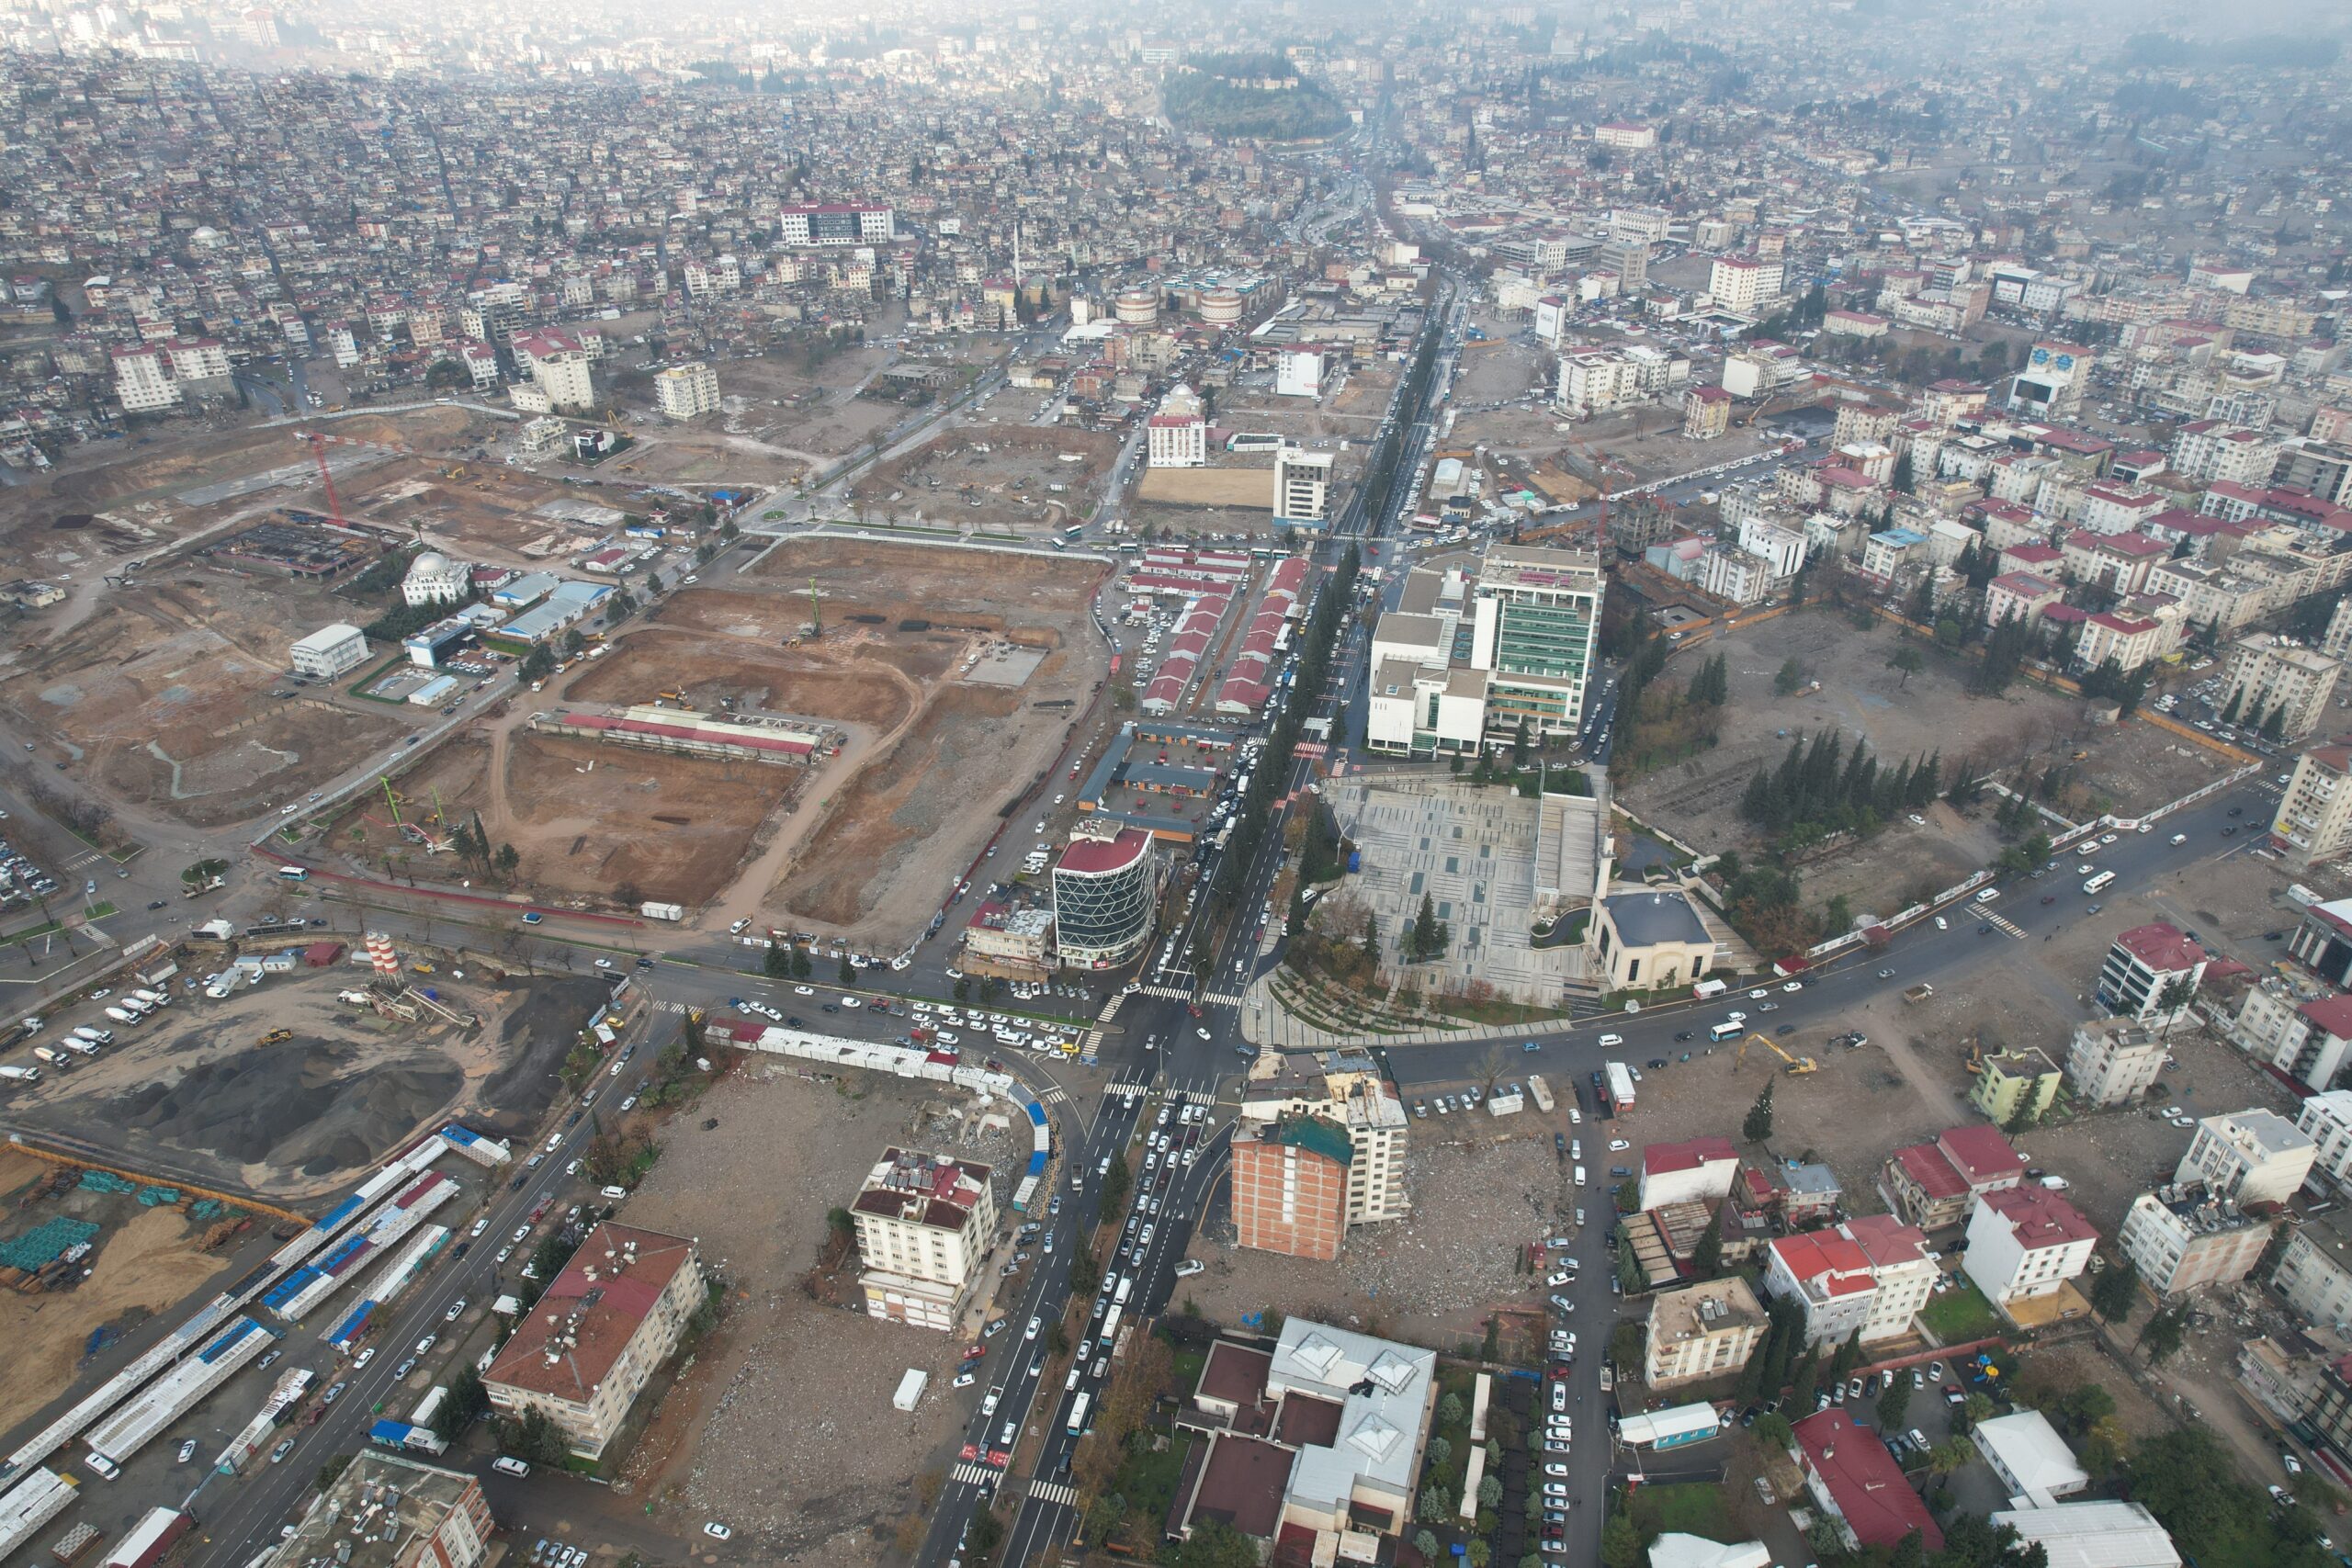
320 441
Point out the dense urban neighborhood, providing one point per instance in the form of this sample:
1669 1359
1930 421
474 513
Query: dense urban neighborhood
1546 787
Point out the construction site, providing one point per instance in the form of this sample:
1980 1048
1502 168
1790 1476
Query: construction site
301 1077
89 1254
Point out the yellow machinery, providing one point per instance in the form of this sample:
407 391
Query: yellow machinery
277 1037
1797 1065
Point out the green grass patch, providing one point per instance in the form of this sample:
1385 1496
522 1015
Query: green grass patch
1683 1510
1960 1314
1148 1480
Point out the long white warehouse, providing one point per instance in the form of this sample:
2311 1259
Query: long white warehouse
32 1502
122 1434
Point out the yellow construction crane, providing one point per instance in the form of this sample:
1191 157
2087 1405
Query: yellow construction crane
1797 1065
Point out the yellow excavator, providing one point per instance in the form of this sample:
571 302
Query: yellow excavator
1797 1065
277 1037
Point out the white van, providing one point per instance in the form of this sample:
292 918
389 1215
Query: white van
1986 895
1579 1176
1126 1284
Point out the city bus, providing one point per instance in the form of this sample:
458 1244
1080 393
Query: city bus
1072 534
1078 1414
1111 1329
1724 1031
292 873
2103 881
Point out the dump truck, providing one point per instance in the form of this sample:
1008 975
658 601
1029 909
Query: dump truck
1918 993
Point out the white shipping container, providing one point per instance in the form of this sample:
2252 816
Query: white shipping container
911 1389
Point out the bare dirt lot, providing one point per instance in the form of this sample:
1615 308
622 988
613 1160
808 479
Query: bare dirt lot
196 1090
165 696
1242 490
146 1260
896 830
992 476
2134 765
586 818
805 1385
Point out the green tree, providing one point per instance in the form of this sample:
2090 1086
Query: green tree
1620 1543
1449 1411
801 966
468 1402
1772 1430
848 971
1116 1183
1894 1400
2162 1334
1908 659
1425 1542
776 963
983 1536
1791 676
1757 1126
1975 1409
1478 1553
2116 1293
534 1438
1490 1491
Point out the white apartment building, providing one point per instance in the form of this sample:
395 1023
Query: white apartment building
686 392
1178 436
1349 1090
2314 822
329 651
2142 968
142 382
1740 575
556 364
1701 1331
2182 1237
1301 486
1743 285
2248 1156
2303 1031
1868 1276
2314 1271
2326 1120
2025 1242
2211 452
2113 1061
923 1224
1596 381
2264 674
836 223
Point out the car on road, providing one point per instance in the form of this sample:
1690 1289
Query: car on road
1204 1033
1031 1332
333 1394
531 918
456 1310
187 1451
604 964
1886 974
1619 1145
1607 1040
363 1358
712 1528
277 1455
407 1366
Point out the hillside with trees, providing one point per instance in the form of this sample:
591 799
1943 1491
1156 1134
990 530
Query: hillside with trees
1249 95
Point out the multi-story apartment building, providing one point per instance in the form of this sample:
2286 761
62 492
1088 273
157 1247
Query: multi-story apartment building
2150 973
556 363
1178 436
2264 675
836 223
686 392
1349 1091
2247 1156
1596 381
2326 1120
1933 1184
143 381
1302 487
2302 1031
1868 1276
2025 1242
599 1332
2113 1061
2023 1080
1743 285
2210 452
2314 1274
1290 1184
2314 818
1537 619
923 1224
2183 1236
1701 1331
387 1510
1697 1171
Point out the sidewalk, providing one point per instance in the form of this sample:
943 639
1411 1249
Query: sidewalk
1267 1024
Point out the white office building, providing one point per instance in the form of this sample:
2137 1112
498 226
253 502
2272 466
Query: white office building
329 651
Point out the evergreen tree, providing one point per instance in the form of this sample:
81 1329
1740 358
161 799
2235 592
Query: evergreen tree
2230 708
1757 1126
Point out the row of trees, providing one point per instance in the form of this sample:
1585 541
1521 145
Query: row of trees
1820 789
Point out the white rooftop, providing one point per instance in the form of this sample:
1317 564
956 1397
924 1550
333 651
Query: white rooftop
1676 1551
2030 1449
1382 1389
2095 1535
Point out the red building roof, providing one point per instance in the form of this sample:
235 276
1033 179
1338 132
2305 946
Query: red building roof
1660 1159
1827 1257
1094 856
2163 947
1980 1155
2039 1218
1866 1483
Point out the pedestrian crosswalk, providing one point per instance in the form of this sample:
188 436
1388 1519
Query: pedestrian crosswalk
970 1475
1186 993
90 857
670 1007
1110 1007
1054 1492
1194 1096
1054 1095
2003 925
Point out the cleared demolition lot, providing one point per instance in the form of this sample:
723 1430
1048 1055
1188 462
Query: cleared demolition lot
896 829
174 694
2122 768
797 1374
992 475
200 1089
